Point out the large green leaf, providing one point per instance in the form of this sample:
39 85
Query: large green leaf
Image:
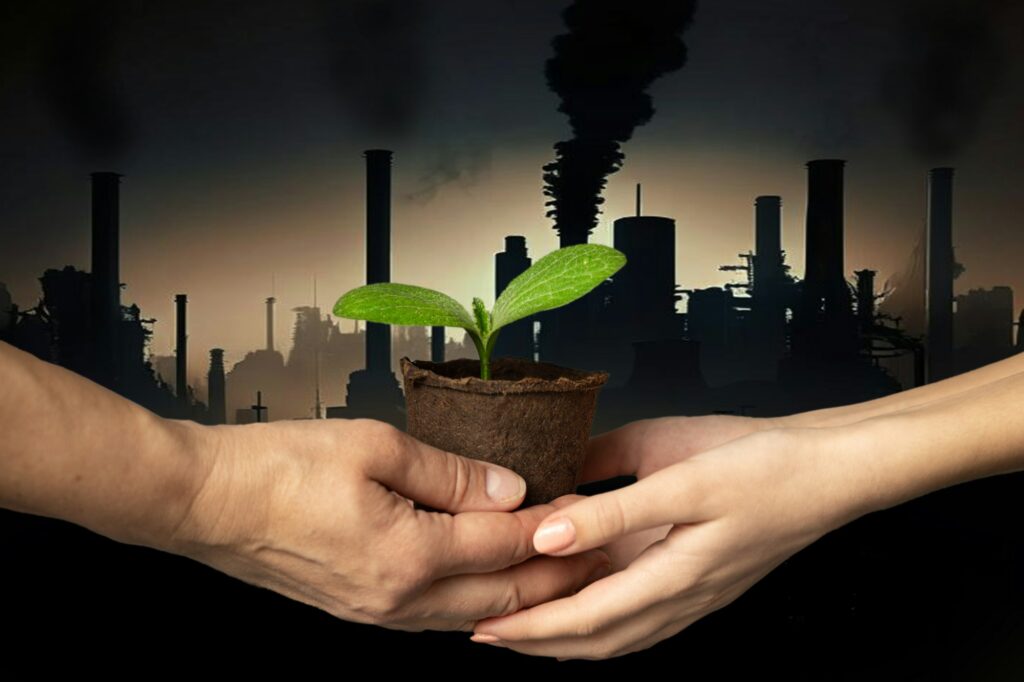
558 278
403 304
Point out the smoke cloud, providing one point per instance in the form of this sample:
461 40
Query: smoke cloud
601 70
465 165
951 66
377 61
80 77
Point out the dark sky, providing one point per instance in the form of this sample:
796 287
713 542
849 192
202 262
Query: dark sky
239 127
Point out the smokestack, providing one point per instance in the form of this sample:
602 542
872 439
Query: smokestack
270 322
106 285
939 275
181 359
767 240
515 340
378 250
437 344
215 384
824 281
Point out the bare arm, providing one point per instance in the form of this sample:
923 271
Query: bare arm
76 451
908 399
320 511
729 515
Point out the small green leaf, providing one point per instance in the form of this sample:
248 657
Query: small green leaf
483 318
558 278
403 304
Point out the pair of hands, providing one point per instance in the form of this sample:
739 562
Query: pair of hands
323 512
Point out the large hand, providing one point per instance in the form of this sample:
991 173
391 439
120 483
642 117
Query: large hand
322 512
642 447
734 512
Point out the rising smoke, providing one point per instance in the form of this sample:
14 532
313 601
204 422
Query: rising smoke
601 70
80 77
378 54
951 65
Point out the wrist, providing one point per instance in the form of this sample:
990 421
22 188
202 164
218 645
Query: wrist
188 452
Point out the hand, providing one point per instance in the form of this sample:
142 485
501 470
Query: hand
322 512
642 447
733 513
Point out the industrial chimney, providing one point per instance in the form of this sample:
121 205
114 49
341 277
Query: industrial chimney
270 322
106 285
181 357
826 326
516 340
824 281
378 250
939 276
769 305
215 384
437 344
767 240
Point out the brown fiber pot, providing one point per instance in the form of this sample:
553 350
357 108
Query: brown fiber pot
532 417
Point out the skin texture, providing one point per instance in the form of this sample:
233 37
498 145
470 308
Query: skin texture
721 501
319 511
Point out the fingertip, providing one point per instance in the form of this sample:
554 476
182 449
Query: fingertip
504 487
554 535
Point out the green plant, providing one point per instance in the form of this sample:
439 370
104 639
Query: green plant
558 278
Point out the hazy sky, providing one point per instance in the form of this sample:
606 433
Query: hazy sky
240 132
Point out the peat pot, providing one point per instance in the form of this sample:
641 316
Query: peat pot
531 417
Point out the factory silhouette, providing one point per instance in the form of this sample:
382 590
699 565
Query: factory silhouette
891 585
768 345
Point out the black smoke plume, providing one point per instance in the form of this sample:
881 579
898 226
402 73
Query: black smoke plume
601 69
81 78
951 65
377 61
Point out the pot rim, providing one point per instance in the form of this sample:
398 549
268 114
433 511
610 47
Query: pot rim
577 380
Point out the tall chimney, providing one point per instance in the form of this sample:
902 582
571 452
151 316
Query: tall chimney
767 240
270 322
378 250
823 275
215 385
437 344
826 327
516 339
939 275
106 285
181 359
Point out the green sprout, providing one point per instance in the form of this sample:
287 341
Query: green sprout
558 278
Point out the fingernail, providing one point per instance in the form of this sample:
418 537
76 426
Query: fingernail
602 571
504 485
554 535
485 638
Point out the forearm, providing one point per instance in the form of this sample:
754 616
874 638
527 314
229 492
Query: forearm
893 458
76 451
908 399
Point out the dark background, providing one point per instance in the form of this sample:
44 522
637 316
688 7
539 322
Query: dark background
239 127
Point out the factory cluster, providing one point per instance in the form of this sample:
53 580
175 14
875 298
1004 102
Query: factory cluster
769 344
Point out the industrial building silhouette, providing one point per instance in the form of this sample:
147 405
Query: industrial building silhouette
770 344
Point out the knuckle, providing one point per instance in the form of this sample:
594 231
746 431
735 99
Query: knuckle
609 518
511 599
460 478
586 627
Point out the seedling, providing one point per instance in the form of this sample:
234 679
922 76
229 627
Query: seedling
558 278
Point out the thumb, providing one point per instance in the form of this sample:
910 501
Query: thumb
670 496
443 480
